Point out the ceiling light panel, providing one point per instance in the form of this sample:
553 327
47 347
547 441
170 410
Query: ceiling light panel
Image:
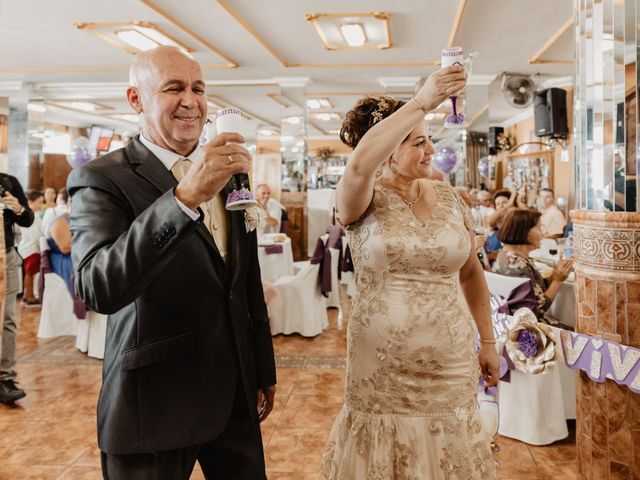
353 31
133 37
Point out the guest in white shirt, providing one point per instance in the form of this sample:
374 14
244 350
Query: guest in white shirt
51 214
552 220
29 248
485 207
270 210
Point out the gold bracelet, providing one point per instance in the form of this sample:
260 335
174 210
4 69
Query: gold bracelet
488 341
420 106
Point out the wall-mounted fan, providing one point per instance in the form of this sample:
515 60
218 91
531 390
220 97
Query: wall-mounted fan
518 89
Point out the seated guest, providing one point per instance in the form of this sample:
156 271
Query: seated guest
29 248
51 214
50 196
520 234
59 239
503 200
270 210
552 219
485 207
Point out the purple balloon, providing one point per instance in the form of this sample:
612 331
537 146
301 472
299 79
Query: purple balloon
446 159
483 167
80 153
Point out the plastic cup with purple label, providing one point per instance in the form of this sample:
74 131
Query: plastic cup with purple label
232 120
454 56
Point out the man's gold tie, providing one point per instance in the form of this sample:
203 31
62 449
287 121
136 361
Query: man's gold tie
215 216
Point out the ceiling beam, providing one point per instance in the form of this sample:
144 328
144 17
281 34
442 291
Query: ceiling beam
456 22
244 24
536 59
477 116
188 31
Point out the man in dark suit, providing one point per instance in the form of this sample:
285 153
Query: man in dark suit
188 340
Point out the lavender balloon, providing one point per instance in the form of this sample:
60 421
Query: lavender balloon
484 167
80 153
446 159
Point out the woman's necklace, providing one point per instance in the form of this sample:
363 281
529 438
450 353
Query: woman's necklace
407 203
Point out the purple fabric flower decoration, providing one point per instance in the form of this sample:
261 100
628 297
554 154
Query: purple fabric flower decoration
528 343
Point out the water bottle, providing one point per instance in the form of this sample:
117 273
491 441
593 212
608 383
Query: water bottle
568 246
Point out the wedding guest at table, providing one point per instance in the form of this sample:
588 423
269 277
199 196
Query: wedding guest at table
270 210
520 234
552 220
59 240
50 214
485 206
29 248
50 196
502 200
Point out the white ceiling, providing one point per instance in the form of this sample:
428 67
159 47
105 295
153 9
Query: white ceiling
43 51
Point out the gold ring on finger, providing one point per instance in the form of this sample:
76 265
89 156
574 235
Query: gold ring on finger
229 159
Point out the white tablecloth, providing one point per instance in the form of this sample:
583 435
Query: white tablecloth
275 265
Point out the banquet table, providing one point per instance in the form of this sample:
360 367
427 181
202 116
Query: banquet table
275 257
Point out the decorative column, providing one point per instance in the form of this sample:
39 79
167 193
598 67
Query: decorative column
19 136
607 227
293 149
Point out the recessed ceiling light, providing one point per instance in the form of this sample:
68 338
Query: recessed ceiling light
334 132
36 107
293 120
265 132
137 40
295 150
286 138
353 34
300 143
86 106
283 149
327 117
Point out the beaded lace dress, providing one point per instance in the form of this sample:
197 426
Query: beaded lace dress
412 372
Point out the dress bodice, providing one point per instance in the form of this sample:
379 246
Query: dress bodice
389 238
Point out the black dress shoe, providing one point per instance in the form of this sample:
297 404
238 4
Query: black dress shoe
9 393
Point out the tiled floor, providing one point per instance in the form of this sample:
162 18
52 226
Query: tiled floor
51 434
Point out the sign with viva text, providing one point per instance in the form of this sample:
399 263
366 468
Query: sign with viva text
602 359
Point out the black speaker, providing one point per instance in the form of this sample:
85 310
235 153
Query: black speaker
492 139
550 110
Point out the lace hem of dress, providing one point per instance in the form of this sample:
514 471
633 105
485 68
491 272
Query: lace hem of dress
397 447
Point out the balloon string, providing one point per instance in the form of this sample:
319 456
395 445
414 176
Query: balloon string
454 101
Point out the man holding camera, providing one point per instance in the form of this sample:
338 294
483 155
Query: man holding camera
16 211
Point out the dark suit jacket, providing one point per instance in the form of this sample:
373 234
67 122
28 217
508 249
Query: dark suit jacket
183 326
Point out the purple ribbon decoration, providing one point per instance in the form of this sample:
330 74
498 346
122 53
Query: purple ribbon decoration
271 249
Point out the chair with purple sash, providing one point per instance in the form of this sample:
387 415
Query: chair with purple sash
532 407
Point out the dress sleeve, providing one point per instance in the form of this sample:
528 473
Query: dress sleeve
462 207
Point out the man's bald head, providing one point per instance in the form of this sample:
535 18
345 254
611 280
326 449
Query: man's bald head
149 62
167 89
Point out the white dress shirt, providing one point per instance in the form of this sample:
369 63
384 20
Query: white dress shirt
552 221
274 210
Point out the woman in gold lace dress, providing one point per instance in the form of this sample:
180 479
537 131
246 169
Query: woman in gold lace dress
412 366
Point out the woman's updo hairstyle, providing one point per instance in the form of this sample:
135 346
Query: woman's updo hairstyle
364 115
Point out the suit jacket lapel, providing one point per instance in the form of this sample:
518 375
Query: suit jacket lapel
148 166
